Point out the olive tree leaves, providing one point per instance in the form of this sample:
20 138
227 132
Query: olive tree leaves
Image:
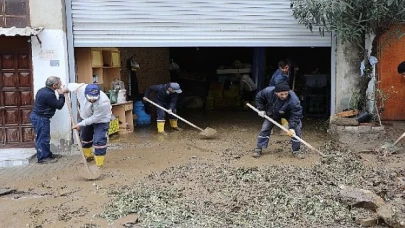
351 20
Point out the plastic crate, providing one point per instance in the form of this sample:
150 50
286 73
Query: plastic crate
114 127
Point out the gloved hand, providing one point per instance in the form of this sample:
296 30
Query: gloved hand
291 132
170 111
262 113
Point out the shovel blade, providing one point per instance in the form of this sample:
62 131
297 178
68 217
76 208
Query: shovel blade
91 172
208 132
389 147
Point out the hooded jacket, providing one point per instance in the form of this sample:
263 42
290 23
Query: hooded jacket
161 95
278 77
91 113
290 108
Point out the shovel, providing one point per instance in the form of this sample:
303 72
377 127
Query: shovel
92 172
391 148
399 139
208 132
286 130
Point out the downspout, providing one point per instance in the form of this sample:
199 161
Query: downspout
333 75
71 53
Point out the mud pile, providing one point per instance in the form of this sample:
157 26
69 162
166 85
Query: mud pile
204 195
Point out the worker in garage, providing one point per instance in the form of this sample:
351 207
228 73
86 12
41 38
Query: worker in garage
286 73
279 102
165 95
282 74
95 114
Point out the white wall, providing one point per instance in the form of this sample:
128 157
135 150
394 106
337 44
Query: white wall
50 59
48 13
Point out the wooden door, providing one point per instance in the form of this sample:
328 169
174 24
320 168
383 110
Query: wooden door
392 52
16 100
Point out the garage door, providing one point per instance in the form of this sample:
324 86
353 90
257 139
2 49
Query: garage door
193 23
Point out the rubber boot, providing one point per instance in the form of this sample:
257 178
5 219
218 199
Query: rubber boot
161 128
257 152
88 153
99 161
173 124
298 154
284 123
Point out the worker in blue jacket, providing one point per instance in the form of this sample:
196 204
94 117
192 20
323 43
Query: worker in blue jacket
282 74
279 102
44 109
166 95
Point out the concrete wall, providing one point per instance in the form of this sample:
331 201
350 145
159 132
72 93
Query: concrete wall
154 66
50 58
48 13
348 59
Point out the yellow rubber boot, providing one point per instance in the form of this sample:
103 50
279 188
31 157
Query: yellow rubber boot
173 124
99 161
161 128
284 123
88 153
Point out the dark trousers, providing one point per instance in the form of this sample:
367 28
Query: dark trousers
264 135
42 128
161 115
95 135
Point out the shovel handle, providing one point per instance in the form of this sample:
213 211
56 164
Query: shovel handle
399 139
173 114
286 130
76 132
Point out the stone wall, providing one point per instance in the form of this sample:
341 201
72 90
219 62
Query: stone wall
348 134
154 66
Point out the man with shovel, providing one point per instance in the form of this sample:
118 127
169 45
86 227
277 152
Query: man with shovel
279 102
166 95
95 114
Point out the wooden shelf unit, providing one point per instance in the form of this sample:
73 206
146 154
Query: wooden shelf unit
105 62
123 112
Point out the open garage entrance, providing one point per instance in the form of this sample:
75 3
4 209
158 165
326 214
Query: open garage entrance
208 75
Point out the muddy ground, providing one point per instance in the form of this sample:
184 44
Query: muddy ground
195 170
